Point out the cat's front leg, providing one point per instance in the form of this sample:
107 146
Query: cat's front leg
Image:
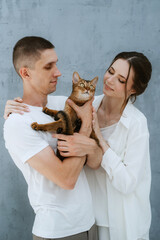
50 112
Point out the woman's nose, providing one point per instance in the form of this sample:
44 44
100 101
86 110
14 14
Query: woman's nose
110 79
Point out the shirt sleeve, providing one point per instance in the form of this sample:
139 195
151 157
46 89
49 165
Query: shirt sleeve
125 173
56 102
21 140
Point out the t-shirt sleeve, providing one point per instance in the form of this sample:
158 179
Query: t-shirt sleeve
56 102
21 140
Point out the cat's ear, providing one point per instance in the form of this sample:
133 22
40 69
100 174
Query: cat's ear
75 77
94 81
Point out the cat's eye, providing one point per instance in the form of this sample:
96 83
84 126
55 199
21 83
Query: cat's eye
81 84
91 87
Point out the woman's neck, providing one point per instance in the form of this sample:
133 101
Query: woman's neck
109 111
111 106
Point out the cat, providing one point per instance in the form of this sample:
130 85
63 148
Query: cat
66 121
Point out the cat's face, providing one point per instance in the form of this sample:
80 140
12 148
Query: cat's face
83 89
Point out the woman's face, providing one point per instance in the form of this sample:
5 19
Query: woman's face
115 80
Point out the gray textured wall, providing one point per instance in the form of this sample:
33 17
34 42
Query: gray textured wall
87 35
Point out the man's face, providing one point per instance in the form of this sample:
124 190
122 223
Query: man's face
45 74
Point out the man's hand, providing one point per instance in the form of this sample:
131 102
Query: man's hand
15 106
75 145
79 145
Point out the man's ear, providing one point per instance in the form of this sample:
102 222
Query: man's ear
24 73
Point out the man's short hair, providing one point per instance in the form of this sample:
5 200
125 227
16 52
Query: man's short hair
28 50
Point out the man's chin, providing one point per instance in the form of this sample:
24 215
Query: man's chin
52 90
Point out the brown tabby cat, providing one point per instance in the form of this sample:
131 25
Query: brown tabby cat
67 121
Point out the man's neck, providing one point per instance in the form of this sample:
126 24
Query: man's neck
38 100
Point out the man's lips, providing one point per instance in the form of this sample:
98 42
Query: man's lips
54 82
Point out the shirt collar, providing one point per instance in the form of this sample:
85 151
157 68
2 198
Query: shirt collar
126 115
127 112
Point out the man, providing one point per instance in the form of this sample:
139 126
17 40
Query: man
58 191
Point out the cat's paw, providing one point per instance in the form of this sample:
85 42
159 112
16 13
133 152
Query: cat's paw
35 126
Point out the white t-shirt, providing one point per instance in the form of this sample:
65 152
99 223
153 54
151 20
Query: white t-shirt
59 212
126 169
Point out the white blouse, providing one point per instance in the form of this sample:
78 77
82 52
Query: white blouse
126 169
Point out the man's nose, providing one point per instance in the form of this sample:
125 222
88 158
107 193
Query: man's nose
57 73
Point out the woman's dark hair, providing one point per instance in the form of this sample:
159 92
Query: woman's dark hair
142 69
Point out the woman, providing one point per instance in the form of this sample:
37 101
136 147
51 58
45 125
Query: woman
121 185
124 138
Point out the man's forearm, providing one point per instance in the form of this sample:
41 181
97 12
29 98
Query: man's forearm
71 169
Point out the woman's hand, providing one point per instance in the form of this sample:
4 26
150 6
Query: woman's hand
85 114
82 110
75 145
98 133
15 106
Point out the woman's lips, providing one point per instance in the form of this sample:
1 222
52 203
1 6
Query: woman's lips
108 88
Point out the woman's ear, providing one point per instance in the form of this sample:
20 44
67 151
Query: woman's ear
132 91
24 73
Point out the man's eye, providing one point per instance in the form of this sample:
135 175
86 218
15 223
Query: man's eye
48 67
